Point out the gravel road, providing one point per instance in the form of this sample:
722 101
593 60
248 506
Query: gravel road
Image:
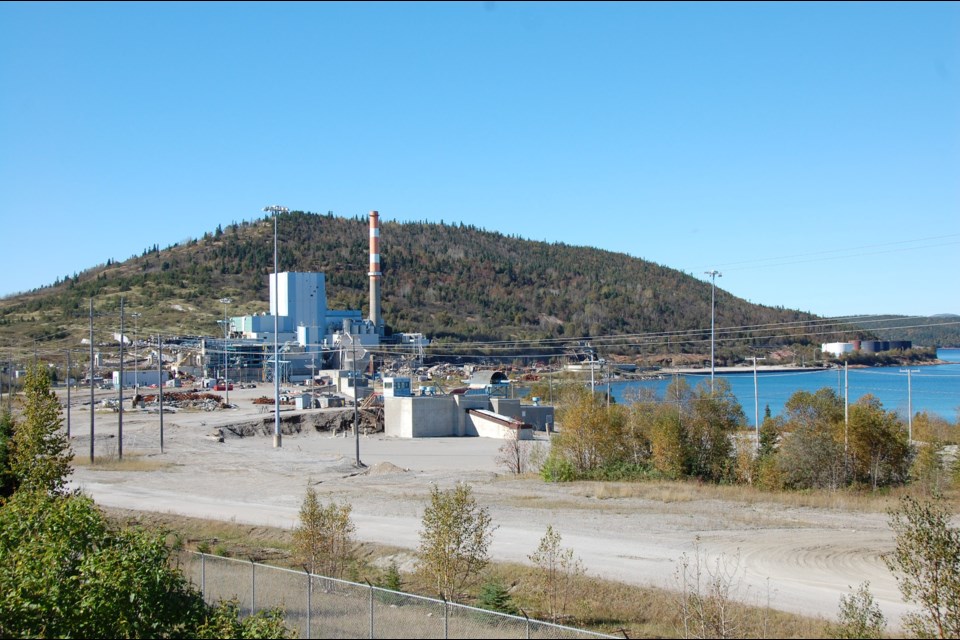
797 559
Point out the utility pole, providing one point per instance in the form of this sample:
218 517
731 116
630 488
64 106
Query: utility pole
909 402
277 440
846 404
68 394
93 399
136 368
756 399
713 305
226 367
120 418
356 401
604 365
160 383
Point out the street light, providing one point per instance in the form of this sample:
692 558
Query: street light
275 210
226 370
713 287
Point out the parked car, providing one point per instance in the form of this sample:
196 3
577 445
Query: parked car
223 387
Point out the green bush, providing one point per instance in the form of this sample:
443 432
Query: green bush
557 469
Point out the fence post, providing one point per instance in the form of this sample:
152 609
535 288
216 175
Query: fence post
253 586
309 601
203 576
528 622
371 608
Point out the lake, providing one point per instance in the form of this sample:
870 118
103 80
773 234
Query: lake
932 388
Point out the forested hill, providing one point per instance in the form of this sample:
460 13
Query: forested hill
448 281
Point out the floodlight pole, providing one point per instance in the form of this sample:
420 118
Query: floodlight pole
226 371
356 400
713 288
277 440
93 399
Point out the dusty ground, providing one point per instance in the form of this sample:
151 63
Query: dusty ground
800 559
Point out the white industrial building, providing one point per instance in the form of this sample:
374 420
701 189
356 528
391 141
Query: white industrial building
468 414
310 336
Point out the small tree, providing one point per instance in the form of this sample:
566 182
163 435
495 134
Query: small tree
926 564
707 594
40 456
559 573
715 414
494 596
927 474
859 616
514 454
391 578
454 541
879 451
324 537
591 434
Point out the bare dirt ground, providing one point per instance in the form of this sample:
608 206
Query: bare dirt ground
794 559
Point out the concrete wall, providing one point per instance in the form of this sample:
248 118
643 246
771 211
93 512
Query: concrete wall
538 416
491 425
465 425
506 407
447 416
419 417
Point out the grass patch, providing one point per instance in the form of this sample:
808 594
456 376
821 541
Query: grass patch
693 491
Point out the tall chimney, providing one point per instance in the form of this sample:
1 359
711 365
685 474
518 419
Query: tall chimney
375 273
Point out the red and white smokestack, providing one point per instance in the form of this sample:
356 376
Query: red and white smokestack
375 273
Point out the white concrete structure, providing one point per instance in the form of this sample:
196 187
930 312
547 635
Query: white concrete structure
454 415
493 425
142 378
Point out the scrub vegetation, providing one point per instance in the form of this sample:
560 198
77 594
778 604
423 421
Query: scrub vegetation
65 571
700 434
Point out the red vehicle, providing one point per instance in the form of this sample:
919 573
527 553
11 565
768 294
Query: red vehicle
223 387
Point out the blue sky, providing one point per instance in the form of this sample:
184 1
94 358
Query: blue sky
808 151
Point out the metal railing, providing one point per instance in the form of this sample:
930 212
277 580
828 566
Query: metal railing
319 607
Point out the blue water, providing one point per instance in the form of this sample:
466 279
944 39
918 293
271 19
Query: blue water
934 388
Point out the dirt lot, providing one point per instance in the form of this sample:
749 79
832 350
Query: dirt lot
800 559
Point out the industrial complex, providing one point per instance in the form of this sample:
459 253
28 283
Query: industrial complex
334 350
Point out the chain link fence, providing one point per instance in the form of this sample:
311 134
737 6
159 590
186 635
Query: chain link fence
319 607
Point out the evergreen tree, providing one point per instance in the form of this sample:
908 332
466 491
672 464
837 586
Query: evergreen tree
41 454
494 596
